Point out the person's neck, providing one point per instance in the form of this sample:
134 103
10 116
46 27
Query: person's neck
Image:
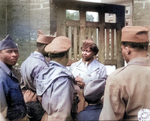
88 62
9 66
142 54
61 60
39 51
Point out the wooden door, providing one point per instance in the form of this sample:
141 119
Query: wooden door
106 35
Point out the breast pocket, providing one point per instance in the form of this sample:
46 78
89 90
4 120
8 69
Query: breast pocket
95 74
15 94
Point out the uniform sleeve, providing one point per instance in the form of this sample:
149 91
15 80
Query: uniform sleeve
3 103
29 74
60 100
103 73
113 106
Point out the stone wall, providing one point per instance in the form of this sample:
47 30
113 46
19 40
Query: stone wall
22 19
25 18
39 17
141 12
3 19
53 18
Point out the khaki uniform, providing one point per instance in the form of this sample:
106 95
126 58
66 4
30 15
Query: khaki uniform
127 91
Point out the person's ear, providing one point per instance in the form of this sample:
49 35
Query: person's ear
67 54
44 46
128 50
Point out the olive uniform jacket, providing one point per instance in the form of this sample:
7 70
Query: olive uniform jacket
127 91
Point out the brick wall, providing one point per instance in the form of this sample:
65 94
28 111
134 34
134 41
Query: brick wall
24 18
141 13
3 19
39 17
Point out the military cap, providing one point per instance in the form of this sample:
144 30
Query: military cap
137 34
58 45
43 38
87 43
94 90
7 43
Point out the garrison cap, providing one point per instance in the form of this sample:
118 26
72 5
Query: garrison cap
7 43
87 43
58 45
94 90
137 34
43 38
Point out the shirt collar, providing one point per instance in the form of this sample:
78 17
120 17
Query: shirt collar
39 56
38 53
5 68
140 61
58 64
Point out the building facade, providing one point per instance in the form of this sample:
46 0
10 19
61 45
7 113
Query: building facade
22 19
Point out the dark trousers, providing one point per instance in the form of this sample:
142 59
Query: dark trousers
35 111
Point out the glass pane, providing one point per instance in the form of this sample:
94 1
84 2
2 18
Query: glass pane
72 15
127 12
92 16
127 22
110 18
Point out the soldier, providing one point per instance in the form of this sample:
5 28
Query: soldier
93 92
12 104
128 88
55 83
30 69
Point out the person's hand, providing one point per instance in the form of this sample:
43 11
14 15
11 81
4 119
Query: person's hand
29 96
80 82
39 99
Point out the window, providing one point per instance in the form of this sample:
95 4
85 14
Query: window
92 16
127 10
127 22
72 15
110 18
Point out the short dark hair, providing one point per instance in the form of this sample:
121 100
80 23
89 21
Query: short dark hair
143 45
39 45
57 55
94 48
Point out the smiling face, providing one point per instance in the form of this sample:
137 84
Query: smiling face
87 54
9 56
